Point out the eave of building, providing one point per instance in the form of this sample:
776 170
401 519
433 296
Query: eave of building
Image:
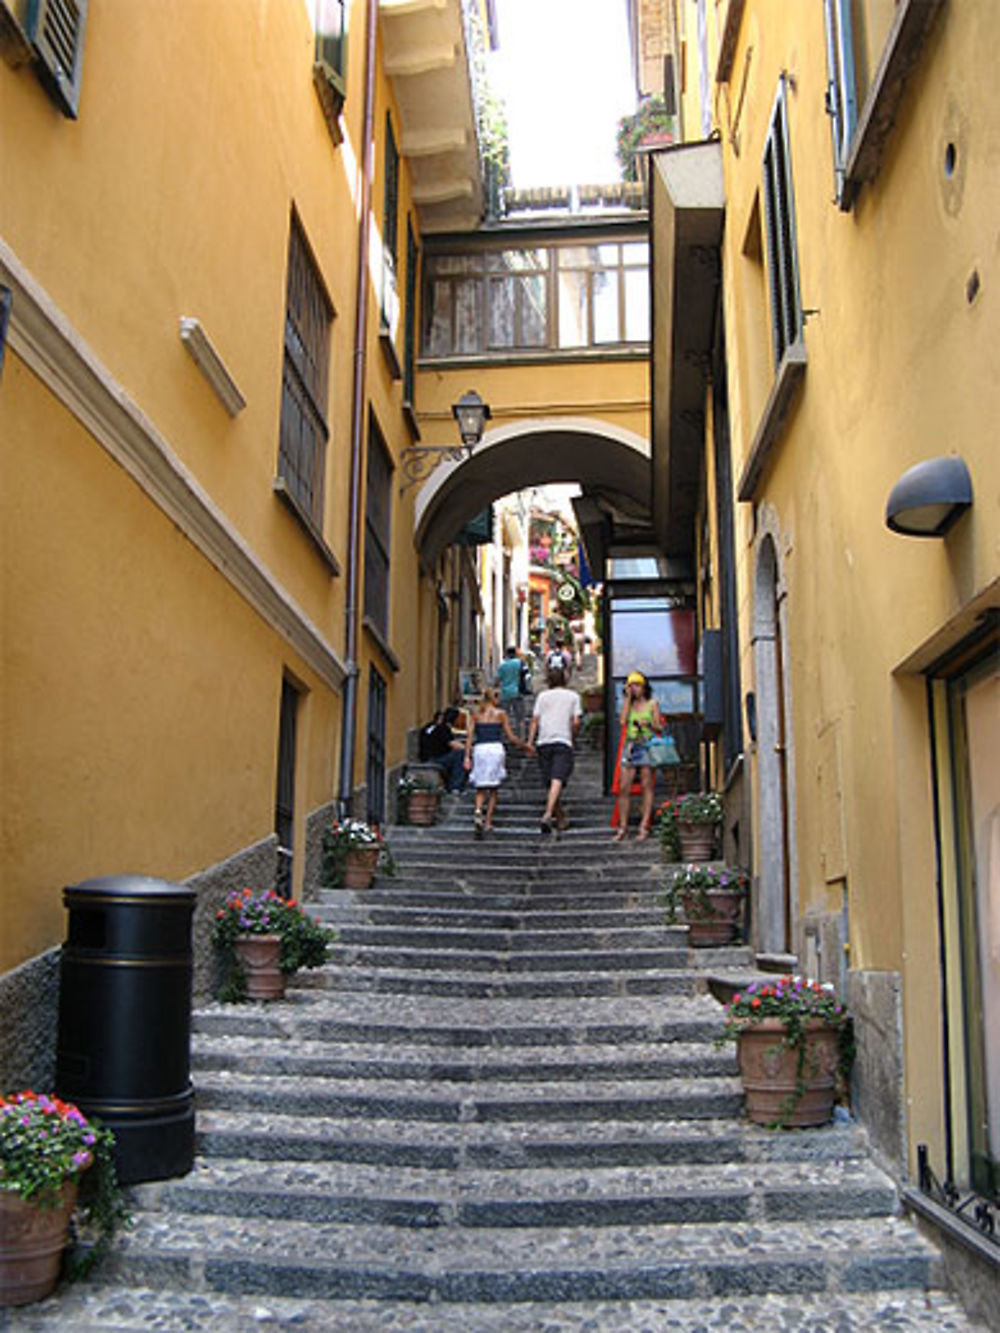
687 202
425 57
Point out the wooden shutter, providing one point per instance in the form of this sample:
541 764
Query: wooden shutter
54 29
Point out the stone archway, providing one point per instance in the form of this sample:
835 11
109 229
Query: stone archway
596 455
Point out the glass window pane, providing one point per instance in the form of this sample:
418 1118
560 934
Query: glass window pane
636 252
514 261
468 316
572 309
577 256
607 254
533 322
502 312
636 305
605 287
657 643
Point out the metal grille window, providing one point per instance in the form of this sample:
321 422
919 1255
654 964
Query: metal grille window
561 296
390 231
779 228
378 516
375 765
304 432
54 29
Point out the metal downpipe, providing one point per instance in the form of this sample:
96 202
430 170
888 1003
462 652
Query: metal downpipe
349 721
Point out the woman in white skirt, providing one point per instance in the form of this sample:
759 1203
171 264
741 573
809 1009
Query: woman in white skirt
485 757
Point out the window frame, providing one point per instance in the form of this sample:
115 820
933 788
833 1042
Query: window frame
780 234
389 306
441 296
305 376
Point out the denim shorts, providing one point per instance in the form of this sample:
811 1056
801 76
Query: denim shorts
637 755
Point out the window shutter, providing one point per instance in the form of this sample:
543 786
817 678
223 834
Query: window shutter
841 90
779 220
55 30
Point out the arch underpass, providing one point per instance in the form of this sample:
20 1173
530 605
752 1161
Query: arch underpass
606 461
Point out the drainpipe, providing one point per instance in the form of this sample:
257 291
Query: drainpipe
349 720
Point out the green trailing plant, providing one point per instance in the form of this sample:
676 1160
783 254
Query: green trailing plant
344 836
650 118
592 728
304 942
798 1004
692 888
46 1143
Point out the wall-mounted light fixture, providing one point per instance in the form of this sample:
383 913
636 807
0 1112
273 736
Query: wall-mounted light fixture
929 498
472 414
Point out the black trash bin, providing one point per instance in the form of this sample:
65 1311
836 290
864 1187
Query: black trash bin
123 1051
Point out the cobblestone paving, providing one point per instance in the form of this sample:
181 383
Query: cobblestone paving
139 1309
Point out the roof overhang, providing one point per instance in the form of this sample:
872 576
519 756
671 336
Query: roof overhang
426 58
687 209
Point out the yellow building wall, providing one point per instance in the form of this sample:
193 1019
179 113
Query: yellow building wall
900 369
140 689
616 392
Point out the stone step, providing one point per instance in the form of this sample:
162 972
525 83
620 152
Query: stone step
314 1059
498 1147
688 1020
502 962
501 940
362 1193
461 917
195 1305
492 1103
526 901
509 984
440 1266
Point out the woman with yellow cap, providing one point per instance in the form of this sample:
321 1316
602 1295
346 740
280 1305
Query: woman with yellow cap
640 722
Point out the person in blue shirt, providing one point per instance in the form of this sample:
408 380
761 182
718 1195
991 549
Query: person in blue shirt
509 684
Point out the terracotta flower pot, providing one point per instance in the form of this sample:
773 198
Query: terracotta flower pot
422 807
359 868
697 841
723 922
260 956
32 1239
771 1079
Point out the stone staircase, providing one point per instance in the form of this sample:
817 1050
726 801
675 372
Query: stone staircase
500 1107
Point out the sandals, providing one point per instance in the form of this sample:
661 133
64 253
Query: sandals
621 835
643 833
479 820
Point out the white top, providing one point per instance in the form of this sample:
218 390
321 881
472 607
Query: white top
556 710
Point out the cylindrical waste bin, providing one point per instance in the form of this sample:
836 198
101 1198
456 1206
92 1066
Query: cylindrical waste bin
123 1050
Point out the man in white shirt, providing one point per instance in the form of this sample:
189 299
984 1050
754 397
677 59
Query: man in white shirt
554 725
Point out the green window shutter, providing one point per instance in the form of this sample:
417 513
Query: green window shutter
390 232
779 227
54 29
841 90
410 314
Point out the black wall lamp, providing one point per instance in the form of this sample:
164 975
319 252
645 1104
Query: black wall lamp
929 498
472 414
